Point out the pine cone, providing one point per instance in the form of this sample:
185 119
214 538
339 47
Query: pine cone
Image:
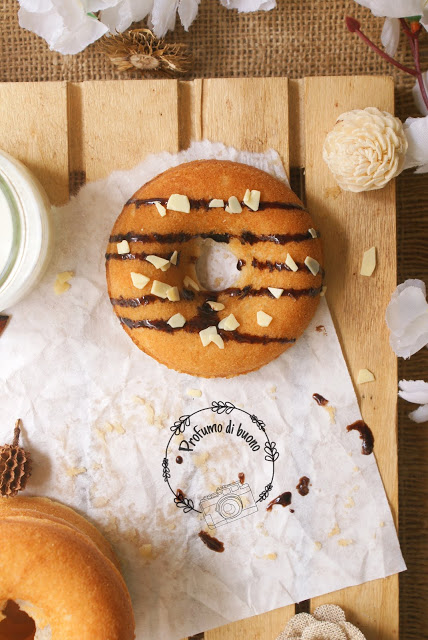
15 466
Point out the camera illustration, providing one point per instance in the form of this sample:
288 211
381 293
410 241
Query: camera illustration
229 503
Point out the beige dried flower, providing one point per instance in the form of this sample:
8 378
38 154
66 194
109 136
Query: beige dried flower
365 149
328 622
140 50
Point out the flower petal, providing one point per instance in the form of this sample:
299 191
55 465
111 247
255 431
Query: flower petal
163 16
407 318
330 613
417 96
394 8
297 624
420 414
187 11
249 5
414 391
416 132
390 36
119 17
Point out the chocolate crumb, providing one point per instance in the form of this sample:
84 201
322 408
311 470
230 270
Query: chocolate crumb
3 323
303 486
211 542
284 500
366 436
321 329
241 477
179 460
319 399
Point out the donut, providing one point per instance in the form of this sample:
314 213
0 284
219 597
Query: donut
61 573
151 268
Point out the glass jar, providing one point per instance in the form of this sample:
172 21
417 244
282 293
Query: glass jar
25 231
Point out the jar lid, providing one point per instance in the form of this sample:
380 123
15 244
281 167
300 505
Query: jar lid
10 229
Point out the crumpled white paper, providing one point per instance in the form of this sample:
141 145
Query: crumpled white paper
415 391
69 27
97 414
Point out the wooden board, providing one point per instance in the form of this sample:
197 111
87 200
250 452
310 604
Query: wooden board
95 127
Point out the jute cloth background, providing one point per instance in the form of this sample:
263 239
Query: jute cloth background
299 38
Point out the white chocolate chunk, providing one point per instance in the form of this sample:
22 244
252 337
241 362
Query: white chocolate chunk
177 321
123 247
160 289
323 290
174 257
216 202
189 282
177 202
194 393
161 209
233 206
138 280
173 294
263 319
277 293
312 265
206 335
159 263
368 264
65 276
216 306
210 335
229 324
290 263
313 232
61 284
252 199
364 375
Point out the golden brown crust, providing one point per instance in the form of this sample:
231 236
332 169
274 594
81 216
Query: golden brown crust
181 349
56 569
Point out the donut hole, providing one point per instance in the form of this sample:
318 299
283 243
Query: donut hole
217 266
16 624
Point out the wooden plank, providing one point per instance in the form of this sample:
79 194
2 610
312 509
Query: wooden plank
122 121
250 114
247 113
33 117
350 224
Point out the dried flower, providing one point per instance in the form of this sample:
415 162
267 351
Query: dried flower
415 391
139 49
15 466
365 149
407 318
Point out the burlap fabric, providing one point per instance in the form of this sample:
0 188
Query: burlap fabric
299 38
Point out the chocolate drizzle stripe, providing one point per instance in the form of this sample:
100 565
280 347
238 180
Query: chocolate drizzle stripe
204 204
246 237
233 292
137 256
197 324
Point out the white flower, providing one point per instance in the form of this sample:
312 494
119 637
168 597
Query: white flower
64 25
415 391
392 10
417 95
365 149
407 318
416 131
328 621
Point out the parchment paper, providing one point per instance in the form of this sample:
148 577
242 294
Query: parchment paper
97 414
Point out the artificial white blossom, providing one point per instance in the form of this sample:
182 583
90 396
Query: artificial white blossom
365 149
328 622
390 36
416 132
415 391
407 318
68 27
417 95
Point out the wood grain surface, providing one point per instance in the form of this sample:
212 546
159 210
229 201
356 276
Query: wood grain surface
95 127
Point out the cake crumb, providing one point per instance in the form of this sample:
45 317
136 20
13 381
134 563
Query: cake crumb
99 503
356 488
96 466
350 503
268 556
332 192
150 412
331 412
318 545
61 284
146 551
171 526
381 523
75 471
356 469
201 459
263 530
194 393
335 531
118 428
344 543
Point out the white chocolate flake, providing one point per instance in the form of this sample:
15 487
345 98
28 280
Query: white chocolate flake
158 263
323 290
290 263
189 282
277 293
161 209
139 280
174 257
313 232
233 206
364 375
177 321
160 289
194 393
178 202
173 294
216 202
123 247
229 323
216 306
312 264
368 264
252 199
263 319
